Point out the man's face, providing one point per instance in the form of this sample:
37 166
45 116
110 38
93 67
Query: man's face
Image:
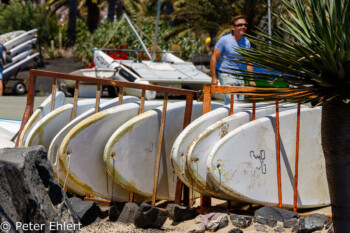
240 27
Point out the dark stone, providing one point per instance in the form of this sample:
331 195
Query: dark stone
290 223
148 216
271 212
87 211
296 228
241 221
260 228
272 223
261 220
311 223
128 213
29 192
279 229
329 225
235 230
180 213
115 211
223 223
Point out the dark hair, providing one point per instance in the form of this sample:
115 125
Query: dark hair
234 19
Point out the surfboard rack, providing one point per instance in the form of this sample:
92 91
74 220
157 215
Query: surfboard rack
251 91
55 76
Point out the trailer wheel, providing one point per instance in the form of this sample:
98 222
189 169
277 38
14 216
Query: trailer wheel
19 88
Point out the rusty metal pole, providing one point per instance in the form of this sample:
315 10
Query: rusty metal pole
159 151
142 104
98 97
231 103
53 94
254 108
121 93
296 161
30 103
278 156
76 93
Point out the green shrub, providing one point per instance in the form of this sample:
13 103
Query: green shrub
24 16
123 35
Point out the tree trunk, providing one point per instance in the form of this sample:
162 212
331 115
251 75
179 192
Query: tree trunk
336 147
72 18
119 8
111 10
93 15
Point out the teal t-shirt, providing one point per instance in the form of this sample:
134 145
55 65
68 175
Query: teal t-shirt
227 45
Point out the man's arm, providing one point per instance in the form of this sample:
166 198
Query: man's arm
250 68
213 62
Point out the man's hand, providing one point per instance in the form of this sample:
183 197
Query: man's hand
214 81
252 83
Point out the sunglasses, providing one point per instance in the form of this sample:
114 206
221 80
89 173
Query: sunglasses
241 25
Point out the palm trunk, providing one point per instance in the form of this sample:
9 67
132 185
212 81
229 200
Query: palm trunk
336 147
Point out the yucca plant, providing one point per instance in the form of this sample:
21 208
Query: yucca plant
316 63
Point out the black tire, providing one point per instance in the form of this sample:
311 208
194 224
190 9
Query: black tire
19 88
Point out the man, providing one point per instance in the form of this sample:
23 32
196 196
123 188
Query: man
225 49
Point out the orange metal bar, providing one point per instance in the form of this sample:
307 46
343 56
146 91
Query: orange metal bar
53 94
121 93
231 103
30 103
142 104
159 151
278 156
296 161
254 108
207 99
110 82
98 96
76 93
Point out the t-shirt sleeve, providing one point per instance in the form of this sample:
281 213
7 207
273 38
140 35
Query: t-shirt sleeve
220 45
248 44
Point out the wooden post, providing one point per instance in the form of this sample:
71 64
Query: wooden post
76 93
254 108
278 157
296 161
159 151
53 94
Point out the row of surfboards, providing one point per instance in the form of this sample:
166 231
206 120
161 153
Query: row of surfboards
112 152
19 44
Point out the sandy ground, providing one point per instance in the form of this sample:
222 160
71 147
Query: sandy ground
171 226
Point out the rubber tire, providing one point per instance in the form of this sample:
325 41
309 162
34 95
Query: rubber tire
19 88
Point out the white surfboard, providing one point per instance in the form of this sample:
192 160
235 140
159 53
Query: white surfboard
198 151
23 47
53 151
18 58
8 129
39 113
45 130
10 35
135 144
20 39
185 138
12 70
243 163
81 151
